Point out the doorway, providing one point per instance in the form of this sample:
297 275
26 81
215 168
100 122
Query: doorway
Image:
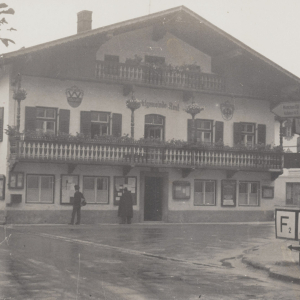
153 198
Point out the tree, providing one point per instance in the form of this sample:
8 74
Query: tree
9 11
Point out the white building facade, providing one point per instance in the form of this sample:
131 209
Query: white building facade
76 125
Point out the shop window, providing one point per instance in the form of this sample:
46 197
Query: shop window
95 189
249 193
292 193
16 180
40 189
154 127
249 134
68 183
120 183
47 120
99 123
204 192
181 190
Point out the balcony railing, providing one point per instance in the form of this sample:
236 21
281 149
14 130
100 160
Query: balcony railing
119 154
159 76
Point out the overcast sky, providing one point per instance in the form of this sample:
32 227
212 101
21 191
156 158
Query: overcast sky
271 27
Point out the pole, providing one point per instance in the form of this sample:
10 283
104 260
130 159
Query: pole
132 123
18 115
280 133
193 129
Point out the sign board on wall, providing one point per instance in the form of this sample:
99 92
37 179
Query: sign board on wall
287 109
228 193
287 224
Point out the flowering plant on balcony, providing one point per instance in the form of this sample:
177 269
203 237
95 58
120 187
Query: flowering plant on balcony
193 109
20 94
133 104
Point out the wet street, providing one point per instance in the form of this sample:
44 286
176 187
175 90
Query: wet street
136 262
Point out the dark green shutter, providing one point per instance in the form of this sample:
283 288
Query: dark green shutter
219 131
116 125
30 118
261 134
85 122
64 121
189 130
1 123
237 135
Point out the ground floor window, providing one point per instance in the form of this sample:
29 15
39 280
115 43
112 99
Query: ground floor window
68 183
95 189
40 188
292 193
249 193
204 192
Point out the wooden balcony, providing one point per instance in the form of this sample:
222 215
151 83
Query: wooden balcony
140 155
159 76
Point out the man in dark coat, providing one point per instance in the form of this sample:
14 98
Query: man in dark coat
78 197
125 211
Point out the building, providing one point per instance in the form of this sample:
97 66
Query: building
167 105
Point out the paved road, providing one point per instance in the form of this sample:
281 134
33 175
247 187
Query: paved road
136 262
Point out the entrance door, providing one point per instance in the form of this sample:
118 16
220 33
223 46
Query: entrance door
153 199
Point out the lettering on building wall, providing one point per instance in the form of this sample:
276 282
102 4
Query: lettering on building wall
162 104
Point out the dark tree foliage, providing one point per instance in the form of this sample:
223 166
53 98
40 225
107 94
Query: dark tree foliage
8 11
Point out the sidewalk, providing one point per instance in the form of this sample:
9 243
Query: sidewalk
275 258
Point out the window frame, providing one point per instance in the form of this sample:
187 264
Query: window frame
95 185
204 181
248 194
109 122
1 123
211 130
53 189
61 189
184 187
286 194
248 133
17 175
148 126
45 119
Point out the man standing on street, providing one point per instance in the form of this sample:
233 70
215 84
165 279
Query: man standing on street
125 211
78 197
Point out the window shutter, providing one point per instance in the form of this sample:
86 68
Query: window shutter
85 122
64 121
261 134
189 130
1 123
219 129
237 136
116 125
30 118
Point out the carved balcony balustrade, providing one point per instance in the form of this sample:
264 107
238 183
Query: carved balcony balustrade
144 155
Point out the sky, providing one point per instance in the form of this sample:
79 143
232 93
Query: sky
270 27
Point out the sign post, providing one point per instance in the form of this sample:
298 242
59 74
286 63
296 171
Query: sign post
287 226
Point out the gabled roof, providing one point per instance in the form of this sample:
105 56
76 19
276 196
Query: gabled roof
182 22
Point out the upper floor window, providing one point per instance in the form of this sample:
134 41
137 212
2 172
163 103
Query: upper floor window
47 119
157 60
206 131
249 193
292 193
111 58
99 123
249 134
155 126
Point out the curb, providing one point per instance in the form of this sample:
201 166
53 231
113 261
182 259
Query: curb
272 273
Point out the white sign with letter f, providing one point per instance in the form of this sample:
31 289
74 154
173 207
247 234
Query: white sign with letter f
286 224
